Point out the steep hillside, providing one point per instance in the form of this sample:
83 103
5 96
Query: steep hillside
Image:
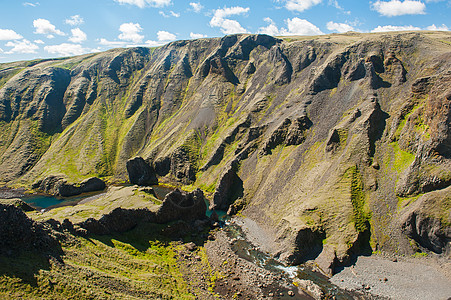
339 143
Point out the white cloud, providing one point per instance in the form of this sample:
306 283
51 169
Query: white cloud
44 26
339 27
301 5
228 26
30 4
171 14
105 42
38 42
438 28
78 36
8 34
395 8
144 3
295 26
196 6
130 32
298 26
74 20
197 35
394 28
66 49
23 46
271 29
165 36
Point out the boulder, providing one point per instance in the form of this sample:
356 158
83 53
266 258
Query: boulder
178 205
18 232
229 189
140 173
58 186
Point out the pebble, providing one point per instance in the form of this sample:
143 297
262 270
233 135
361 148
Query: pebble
271 294
290 293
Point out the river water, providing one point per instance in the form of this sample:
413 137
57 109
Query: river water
242 247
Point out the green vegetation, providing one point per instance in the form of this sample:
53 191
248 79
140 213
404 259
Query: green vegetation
402 159
361 218
10 75
139 264
405 201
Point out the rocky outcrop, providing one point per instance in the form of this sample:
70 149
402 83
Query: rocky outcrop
117 221
141 173
20 233
178 205
228 189
17 203
58 186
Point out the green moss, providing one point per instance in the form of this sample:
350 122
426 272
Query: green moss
10 75
361 218
405 201
402 159
128 266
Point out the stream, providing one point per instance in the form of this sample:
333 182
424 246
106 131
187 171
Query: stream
241 246
246 250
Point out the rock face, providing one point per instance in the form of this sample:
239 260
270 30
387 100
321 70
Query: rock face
19 233
178 205
139 172
58 186
229 189
334 138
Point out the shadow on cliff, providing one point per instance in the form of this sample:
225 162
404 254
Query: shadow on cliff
26 246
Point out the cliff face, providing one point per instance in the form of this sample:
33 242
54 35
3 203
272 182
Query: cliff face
342 142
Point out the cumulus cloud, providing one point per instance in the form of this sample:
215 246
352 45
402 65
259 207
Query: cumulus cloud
108 43
196 6
66 49
228 26
394 28
395 8
438 28
78 36
144 3
298 26
196 35
339 27
74 20
295 26
24 46
8 34
130 32
44 26
301 5
270 29
170 14
38 42
165 36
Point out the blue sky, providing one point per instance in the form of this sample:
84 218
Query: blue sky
56 28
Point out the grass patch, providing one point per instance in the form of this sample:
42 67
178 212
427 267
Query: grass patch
361 218
136 265
402 159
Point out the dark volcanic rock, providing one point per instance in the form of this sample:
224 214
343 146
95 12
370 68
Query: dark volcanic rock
17 203
427 231
229 188
58 186
178 205
18 232
117 221
141 173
